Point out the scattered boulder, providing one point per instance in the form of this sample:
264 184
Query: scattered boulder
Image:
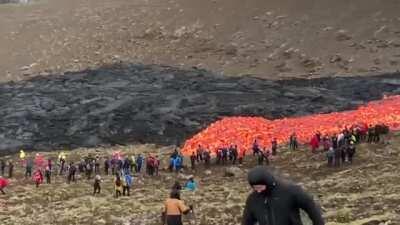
234 172
335 58
283 67
343 35
393 62
312 64
182 176
231 50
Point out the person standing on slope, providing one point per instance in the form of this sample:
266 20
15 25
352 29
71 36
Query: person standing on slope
38 177
174 209
274 202
97 184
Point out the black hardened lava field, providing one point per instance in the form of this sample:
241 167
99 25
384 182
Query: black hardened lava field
158 104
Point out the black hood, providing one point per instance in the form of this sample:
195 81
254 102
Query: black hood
261 176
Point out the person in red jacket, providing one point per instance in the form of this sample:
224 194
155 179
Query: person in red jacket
3 183
38 177
314 143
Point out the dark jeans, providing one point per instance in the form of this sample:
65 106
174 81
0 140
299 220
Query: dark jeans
174 220
48 179
126 189
330 161
96 188
28 172
71 177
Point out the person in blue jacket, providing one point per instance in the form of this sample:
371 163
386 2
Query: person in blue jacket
139 163
178 163
191 185
127 184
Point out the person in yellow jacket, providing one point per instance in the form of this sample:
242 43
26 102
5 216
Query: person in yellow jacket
22 156
174 209
62 159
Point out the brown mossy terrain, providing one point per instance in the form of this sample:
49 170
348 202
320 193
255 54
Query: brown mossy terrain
365 193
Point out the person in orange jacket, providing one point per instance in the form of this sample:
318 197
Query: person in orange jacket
174 209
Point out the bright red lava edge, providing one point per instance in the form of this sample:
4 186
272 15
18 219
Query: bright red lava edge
242 131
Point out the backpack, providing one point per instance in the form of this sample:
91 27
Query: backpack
118 182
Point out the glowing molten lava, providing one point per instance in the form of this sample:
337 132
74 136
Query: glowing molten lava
243 130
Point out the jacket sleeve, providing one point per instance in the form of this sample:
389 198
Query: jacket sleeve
183 208
306 203
248 217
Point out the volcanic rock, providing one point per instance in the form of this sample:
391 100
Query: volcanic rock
122 104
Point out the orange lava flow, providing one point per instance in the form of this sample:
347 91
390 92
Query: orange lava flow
242 131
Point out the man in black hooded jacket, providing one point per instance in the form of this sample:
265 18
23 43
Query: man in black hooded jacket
275 202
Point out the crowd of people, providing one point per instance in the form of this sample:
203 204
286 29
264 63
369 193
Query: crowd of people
123 168
339 149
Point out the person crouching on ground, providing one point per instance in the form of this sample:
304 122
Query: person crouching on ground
174 209
276 202
191 185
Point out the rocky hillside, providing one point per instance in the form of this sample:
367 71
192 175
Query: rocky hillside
274 38
365 193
